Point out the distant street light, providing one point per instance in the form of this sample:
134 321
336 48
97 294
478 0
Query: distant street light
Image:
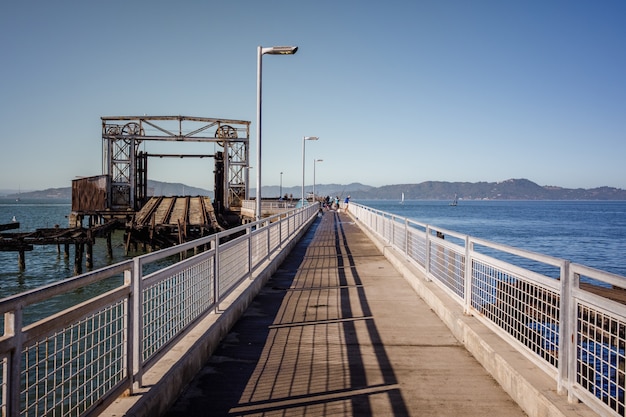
304 139
274 50
280 194
315 161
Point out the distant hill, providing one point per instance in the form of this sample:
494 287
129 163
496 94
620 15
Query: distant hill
512 189
156 188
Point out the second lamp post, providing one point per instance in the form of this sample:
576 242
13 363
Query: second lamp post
304 139
315 161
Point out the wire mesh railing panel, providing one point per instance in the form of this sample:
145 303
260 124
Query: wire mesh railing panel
72 361
399 235
174 301
233 266
285 229
292 224
388 229
71 370
524 309
4 369
448 267
258 245
600 357
509 288
274 236
416 246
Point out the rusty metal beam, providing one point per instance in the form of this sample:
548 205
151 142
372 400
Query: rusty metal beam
171 155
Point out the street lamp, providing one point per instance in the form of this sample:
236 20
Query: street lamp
273 50
315 161
304 139
280 194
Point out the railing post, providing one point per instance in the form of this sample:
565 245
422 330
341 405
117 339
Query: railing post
13 326
136 323
216 272
268 238
427 263
280 231
469 248
250 258
567 332
406 237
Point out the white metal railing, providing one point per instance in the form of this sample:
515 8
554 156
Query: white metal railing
567 318
70 362
269 204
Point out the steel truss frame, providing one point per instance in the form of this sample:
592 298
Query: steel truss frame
122 135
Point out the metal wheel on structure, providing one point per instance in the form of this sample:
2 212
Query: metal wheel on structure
226 132
132 129
113 130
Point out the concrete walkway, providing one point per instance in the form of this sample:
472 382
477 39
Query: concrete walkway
337 331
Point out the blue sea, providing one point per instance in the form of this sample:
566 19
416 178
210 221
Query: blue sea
44 264
592 233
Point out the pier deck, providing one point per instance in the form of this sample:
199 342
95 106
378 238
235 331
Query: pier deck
338 331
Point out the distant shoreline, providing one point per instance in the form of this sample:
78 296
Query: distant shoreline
512 189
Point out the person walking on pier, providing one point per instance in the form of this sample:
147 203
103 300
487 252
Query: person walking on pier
345 204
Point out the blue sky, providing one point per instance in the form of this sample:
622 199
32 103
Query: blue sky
397 91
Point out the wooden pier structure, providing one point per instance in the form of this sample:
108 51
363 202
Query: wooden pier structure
119 198
168 221
82 238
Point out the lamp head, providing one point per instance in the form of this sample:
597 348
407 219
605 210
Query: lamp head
311 138
279 50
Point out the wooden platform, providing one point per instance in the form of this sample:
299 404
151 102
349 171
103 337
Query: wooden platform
53 236
80 237
167 221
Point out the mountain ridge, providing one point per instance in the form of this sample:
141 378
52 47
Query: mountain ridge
511 189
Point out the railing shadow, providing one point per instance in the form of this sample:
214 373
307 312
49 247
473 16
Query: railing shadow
218 387
299 348
357 367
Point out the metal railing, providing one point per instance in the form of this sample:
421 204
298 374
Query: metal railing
565 317
71 362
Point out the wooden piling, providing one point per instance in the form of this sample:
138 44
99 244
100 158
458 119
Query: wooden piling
78 258
89 256
109 245
21 260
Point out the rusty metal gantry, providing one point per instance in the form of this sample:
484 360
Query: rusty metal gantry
126 166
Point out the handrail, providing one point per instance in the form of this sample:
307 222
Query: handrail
74 361
571 325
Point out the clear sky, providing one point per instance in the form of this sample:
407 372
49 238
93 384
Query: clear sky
397 91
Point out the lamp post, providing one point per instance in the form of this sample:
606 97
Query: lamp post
315 161
280 194
273 50
304 139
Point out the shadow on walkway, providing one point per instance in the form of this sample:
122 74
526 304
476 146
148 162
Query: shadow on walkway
317 341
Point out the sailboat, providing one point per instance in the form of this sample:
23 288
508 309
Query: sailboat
402 200
455 201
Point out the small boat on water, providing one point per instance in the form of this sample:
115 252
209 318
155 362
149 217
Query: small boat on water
454 202
402 199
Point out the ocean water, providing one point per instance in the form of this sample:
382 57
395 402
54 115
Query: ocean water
44 264
592 233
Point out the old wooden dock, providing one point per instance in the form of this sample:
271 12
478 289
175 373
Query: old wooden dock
82 238
168 221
